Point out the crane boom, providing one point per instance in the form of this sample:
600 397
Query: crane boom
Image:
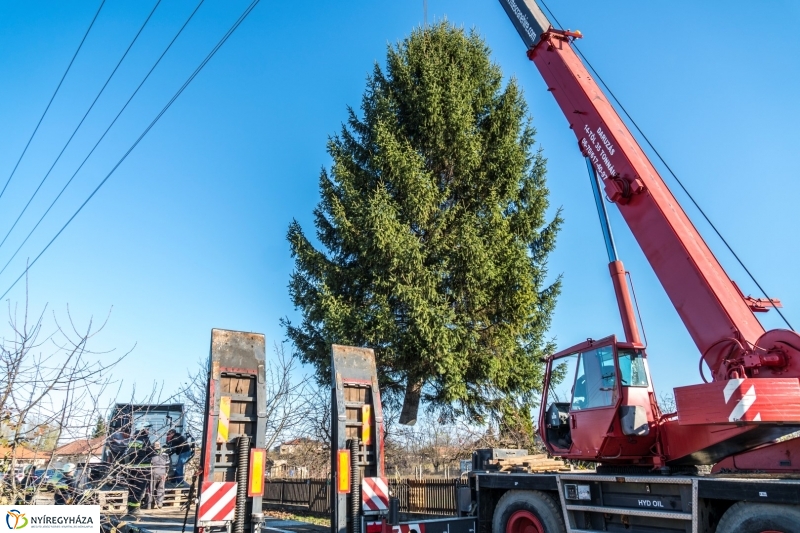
708 302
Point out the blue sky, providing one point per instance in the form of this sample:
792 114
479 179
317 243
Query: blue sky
189 233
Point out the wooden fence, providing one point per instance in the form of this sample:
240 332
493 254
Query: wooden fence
422 496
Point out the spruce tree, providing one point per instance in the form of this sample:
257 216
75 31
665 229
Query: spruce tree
99 428
434 235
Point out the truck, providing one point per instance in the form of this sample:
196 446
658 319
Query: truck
128 418
726 461
125 454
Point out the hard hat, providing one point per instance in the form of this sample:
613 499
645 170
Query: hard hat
68 468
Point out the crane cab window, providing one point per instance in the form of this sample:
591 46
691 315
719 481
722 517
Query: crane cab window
596 379
562 378
632 371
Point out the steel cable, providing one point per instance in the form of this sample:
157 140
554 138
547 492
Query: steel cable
64 188
52 98
75 131
138 140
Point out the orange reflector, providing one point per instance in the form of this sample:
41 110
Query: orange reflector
366 424
224 419
343 471
258 461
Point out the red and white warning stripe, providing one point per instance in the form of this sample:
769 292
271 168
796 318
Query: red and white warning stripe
744 404
375 494
217 501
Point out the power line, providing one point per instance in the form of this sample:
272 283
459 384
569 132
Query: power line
146 130
669 169
103 88
175 38
52 98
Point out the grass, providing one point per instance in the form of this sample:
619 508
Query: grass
299 517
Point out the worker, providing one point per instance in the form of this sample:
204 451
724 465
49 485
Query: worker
179 446
137 476
159 464
70 488
117 443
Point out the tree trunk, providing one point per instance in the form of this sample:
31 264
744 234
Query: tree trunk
408 416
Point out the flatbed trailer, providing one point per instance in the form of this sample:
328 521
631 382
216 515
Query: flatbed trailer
585 501
630 499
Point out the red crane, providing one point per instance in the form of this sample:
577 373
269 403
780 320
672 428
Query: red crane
611 415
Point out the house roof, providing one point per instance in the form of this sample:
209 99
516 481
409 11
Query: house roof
301 440
23 454
81 447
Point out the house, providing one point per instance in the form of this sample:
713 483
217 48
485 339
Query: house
24 456
297 445
80 451
280 468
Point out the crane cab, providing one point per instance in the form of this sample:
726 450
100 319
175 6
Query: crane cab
599 404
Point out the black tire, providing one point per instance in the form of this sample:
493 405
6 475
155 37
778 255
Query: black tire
744 517
542 506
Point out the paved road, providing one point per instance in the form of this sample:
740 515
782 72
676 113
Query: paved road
167 520
170 520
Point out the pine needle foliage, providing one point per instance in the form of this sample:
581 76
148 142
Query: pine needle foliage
434 235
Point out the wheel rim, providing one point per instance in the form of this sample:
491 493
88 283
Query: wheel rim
525 522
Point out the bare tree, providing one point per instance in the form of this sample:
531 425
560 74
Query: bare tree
291 401
50 386
666 402
432 444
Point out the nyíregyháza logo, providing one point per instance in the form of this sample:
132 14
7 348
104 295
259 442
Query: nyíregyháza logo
16 519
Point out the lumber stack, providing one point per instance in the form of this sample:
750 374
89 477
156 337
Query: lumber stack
531 463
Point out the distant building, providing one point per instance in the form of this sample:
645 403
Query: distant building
23 456
281 469
80 451
301 444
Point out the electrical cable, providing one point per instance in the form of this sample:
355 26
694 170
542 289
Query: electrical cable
138 140
103 88
52 98
103 135
669 169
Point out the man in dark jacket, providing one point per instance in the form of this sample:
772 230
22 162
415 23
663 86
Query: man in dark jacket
177 445
137 475
117 443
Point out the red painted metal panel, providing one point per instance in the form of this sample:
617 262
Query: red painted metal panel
679 442
779 457
739 400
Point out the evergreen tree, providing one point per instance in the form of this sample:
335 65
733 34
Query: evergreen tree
434 234
99 428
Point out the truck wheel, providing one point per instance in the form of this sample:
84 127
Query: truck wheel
527 511
746 517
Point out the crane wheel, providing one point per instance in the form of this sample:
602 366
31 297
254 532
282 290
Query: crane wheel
745 517
527 511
